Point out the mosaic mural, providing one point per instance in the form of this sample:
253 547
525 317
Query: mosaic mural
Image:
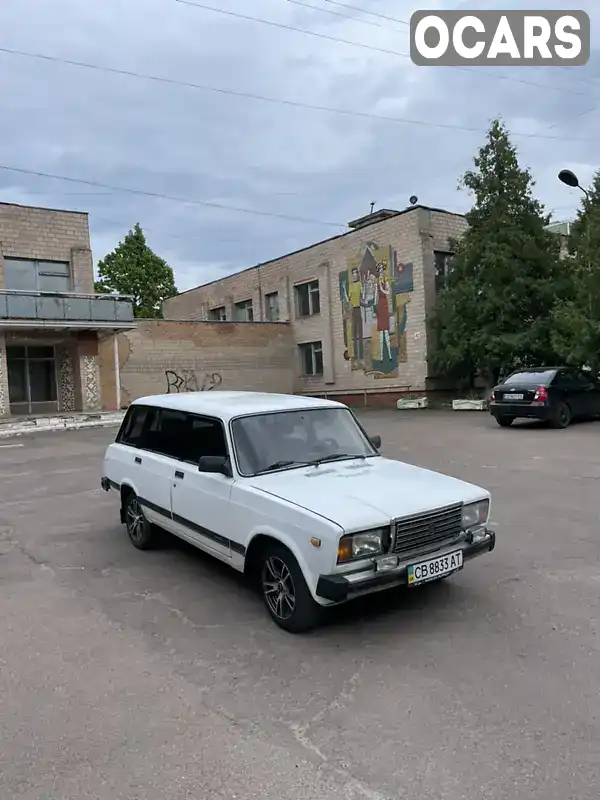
3 397
375 291
90 382
66 379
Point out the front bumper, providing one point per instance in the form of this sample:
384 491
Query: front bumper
338 588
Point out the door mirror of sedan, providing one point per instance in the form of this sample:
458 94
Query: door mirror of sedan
215 464
376 442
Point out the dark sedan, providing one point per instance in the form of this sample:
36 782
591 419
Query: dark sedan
550 394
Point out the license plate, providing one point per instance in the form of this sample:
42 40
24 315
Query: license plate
509 397
434 568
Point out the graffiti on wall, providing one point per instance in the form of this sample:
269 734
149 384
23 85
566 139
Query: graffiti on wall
375 291
186 380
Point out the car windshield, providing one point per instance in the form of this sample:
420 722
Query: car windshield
265 442
539 376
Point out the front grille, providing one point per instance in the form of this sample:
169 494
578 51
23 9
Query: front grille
422 531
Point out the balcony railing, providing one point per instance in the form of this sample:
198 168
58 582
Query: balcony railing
70 307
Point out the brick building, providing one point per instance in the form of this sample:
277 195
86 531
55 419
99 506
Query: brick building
51 321
171 356
356 303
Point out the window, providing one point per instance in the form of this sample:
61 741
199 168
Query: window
541 377
573 379
308 301
37 276
32 384
133 427
176 434
207 438
291 438
218 314
311 355
272 307
244 311
443 267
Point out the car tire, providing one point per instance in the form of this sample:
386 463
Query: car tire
561 417
285 592
142 534
505 422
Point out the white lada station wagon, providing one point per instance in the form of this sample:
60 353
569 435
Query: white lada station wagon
292 491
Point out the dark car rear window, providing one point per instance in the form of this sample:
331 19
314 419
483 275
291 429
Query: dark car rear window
541 377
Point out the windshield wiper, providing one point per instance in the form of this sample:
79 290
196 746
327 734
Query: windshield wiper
314 463
282 464
335 457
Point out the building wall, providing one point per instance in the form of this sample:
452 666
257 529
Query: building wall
405 243
76 367
4 407
47 235
170 356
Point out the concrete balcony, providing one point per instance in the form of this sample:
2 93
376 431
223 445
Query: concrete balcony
19 309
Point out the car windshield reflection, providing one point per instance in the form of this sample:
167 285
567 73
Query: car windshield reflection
291 439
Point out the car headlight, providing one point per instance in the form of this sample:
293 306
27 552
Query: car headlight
475 514
362 545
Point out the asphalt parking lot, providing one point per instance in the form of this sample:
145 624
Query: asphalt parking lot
159 675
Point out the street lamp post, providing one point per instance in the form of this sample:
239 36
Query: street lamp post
569 178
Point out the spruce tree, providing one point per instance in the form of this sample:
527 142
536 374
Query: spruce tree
495 311
577 319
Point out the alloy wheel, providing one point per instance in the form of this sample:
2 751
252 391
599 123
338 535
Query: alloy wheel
135 520
278 588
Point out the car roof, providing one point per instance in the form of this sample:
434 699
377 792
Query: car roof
229 404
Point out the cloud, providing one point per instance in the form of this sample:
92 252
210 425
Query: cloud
197 144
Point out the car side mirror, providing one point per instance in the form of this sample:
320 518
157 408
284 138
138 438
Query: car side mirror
215 464
375 441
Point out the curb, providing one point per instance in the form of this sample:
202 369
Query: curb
9 430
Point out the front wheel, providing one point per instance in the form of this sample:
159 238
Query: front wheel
285 592
142 534
505 422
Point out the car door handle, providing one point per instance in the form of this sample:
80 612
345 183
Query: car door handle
138 460
178 474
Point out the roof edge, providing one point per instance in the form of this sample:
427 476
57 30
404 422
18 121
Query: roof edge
45 208
316 244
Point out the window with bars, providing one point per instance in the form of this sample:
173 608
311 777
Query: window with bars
311 358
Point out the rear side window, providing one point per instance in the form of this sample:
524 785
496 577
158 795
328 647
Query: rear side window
172 433
542 377
134 426
570 379
168 433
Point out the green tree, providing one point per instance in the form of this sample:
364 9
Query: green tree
134 269
577 319
495 311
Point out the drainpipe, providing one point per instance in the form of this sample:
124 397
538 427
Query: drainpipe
331 331
117 369
260 297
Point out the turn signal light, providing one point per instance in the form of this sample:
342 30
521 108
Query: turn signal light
344 550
